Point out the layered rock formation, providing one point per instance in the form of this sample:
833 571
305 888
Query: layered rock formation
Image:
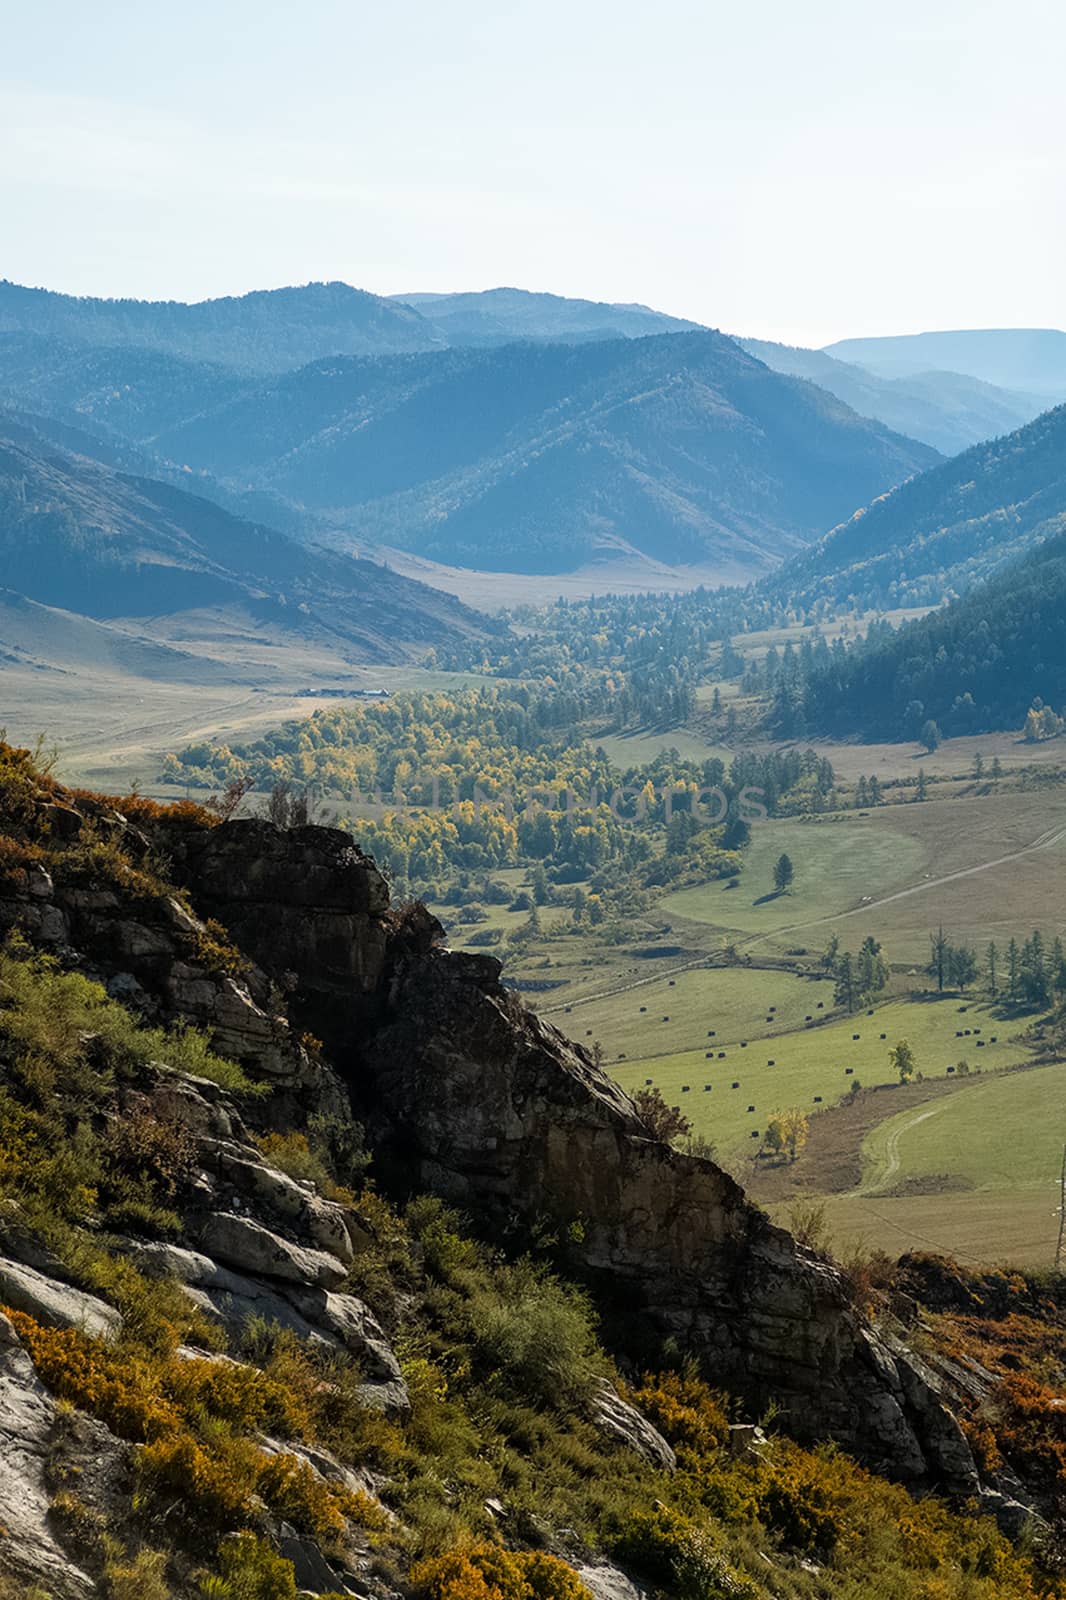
467 1094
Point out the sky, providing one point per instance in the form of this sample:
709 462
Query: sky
802 170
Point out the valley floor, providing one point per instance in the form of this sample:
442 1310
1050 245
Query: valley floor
716 986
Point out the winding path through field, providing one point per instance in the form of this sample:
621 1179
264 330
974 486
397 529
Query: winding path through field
1044 841
881 1175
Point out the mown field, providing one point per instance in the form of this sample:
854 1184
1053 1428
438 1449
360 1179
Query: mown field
665 1016
983 867
816 1064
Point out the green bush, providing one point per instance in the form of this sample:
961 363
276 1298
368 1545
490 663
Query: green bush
536 1333
248 1569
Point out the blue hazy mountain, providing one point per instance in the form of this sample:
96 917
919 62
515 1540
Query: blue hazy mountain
1030 359
949 410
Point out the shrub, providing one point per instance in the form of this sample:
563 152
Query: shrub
213 949
799 1505
488 1572
140 809
688 1414
117 1387
239 1395
140 1577
292 1153
145 1156
296 1493
679 1556
662 1121
187 1050
20 785
68 1033
248 1570
216 1487
535 1332
16 858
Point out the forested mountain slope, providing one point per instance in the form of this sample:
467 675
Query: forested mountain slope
976 665
943 531
536 458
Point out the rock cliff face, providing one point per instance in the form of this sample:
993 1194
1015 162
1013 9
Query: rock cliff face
466 1093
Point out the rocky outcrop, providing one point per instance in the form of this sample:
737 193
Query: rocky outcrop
153 954
259 1244
307 904
27 1426
467 1094
471 1096
494 1108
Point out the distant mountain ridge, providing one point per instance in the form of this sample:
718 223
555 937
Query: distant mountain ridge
948 410
1030 359
945 392
500 316
267 330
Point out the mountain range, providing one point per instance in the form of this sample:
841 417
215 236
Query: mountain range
265 331
500 316
945 390
501 431
522 457
949 410
1029 359
540 458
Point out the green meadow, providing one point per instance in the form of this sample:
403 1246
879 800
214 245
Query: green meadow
815 1065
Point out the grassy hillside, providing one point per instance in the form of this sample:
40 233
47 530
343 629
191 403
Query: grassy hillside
79 535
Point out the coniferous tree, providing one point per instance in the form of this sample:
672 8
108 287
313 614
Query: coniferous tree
992 969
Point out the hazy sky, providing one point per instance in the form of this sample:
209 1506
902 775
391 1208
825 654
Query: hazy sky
796 169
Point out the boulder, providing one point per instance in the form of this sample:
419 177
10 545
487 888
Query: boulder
56 1305
355 1327
254 1250
320 1220
622 1422
1013 1519
605 1582
337 1321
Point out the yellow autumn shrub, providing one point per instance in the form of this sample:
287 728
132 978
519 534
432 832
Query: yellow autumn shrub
686 1411
489 1572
